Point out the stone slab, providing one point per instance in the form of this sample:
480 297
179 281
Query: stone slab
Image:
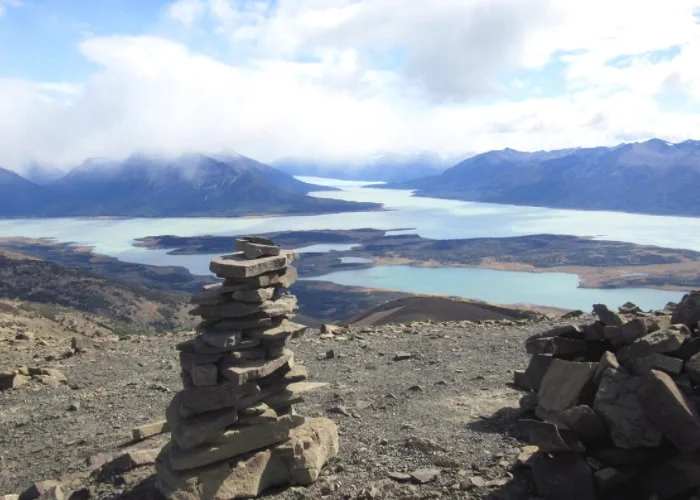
240 372
295 373
285 329
254 296
238 266
216 397
562 387
655 361
281 306
280 279
148 430
233 443
194 431
681 474
297 461
617 401
291 394
555 345
670 410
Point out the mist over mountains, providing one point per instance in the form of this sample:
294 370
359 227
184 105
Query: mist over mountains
146 186
651 177
387 167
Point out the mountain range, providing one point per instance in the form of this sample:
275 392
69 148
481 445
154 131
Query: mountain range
387 167
652 177
148 186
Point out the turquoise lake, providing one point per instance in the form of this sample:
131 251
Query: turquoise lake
428 217
504 287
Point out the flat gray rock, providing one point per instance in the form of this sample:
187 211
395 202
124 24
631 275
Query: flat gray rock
562 387
617 401
232 443
281 306
670 410
241 372
254 296
279 332
238 266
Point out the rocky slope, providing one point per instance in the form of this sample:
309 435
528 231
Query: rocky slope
432 396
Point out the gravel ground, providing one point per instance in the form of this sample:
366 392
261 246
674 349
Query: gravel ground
448 406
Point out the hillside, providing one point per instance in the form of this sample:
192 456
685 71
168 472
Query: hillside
438 309
188 185
49 290
652 177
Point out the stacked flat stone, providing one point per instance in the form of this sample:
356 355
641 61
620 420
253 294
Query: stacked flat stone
616 405
234 429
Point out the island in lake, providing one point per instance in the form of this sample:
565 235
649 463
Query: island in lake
598 263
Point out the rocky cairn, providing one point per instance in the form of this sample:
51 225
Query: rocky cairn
234 429
613 407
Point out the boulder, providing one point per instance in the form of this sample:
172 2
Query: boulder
536 370
586 423
661 341
297 461
670 410
688 310
608 360
635 329
617 401
655 361
549 439
563 386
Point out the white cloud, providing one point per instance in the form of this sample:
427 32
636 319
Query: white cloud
341 78
186 11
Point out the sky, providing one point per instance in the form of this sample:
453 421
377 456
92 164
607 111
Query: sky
335 79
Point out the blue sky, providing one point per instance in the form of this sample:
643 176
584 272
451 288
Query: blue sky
341 78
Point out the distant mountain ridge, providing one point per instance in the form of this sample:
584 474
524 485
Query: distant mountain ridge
148 186
651 177
388 167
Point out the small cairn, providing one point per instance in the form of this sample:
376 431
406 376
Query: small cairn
613 407
234 429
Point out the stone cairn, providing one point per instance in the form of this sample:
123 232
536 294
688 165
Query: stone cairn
234 429
613 407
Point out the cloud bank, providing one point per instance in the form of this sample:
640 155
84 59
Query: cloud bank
341 78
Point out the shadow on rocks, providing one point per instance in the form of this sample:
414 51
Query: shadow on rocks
504 421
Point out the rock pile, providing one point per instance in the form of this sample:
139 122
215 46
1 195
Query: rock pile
234 429
613 406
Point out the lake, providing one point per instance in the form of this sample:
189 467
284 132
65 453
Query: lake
428 217
504 287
